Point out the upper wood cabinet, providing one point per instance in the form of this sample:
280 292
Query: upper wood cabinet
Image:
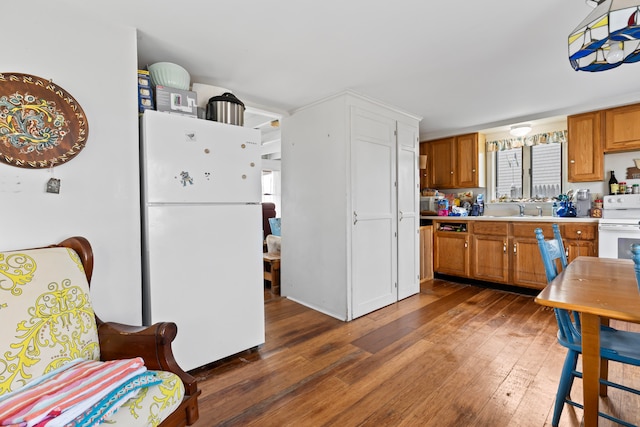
468 160
622 128
441 163
455 162
424 175
586 158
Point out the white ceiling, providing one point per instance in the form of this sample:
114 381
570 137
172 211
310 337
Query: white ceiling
463 65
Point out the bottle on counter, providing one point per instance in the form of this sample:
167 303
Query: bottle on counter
622 187
554 209
613 183
480 202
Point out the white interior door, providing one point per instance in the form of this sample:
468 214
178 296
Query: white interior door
408 212
373 199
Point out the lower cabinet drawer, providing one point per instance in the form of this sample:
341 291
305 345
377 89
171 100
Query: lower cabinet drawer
579 231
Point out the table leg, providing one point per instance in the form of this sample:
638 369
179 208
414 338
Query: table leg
275 282
604 365
590 367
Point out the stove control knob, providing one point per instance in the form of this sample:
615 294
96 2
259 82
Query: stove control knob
619 200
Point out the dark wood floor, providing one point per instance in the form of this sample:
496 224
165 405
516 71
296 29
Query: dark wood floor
454 355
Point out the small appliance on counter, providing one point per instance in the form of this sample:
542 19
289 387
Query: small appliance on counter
429 205
583 203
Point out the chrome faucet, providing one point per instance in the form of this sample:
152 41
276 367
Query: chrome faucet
539 210
521 209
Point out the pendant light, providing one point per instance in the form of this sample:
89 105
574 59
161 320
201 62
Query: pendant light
608 37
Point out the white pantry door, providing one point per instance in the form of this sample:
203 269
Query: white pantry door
408 212
373 200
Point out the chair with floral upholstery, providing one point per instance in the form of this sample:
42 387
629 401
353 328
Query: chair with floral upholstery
50 333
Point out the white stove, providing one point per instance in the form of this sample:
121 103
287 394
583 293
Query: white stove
619 226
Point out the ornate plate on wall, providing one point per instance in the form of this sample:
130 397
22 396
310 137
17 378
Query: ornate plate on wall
41 125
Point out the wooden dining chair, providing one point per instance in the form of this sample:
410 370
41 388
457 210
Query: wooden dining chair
635 255
555 250
615 345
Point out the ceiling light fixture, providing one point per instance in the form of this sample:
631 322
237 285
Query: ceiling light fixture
608 37
520 130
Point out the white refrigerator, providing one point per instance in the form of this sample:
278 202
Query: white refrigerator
202 235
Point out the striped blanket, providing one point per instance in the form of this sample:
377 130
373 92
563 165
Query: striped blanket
80 393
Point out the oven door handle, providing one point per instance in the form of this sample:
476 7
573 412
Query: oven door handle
619 227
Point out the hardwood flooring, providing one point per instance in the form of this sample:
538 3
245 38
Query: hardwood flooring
453 355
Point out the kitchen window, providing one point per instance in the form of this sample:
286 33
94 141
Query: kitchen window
546 170
527 171
509 173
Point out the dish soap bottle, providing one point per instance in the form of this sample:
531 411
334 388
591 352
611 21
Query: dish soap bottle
554 209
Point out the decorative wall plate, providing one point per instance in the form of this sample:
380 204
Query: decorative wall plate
41 125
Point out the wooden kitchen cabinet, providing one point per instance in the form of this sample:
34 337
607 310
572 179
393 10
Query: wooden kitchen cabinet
580 239
622 128
442 163
426 253
451 250
425 150
468 161
489 254
527 268
456 162
506 251
584 148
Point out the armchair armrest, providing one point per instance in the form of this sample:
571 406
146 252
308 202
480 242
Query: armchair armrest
152 343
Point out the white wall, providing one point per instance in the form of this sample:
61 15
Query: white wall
99 197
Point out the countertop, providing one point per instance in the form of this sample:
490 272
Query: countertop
526 218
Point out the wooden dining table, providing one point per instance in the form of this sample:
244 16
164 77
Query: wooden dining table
600 289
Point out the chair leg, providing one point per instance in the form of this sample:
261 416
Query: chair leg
566 381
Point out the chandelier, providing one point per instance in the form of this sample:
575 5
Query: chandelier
608 37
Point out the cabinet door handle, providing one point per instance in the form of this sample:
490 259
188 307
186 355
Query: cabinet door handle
355 217
466 244
473 170
400 216
515 249
451 172
504 248
579 233
572 161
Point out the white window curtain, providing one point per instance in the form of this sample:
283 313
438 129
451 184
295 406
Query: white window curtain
531 140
